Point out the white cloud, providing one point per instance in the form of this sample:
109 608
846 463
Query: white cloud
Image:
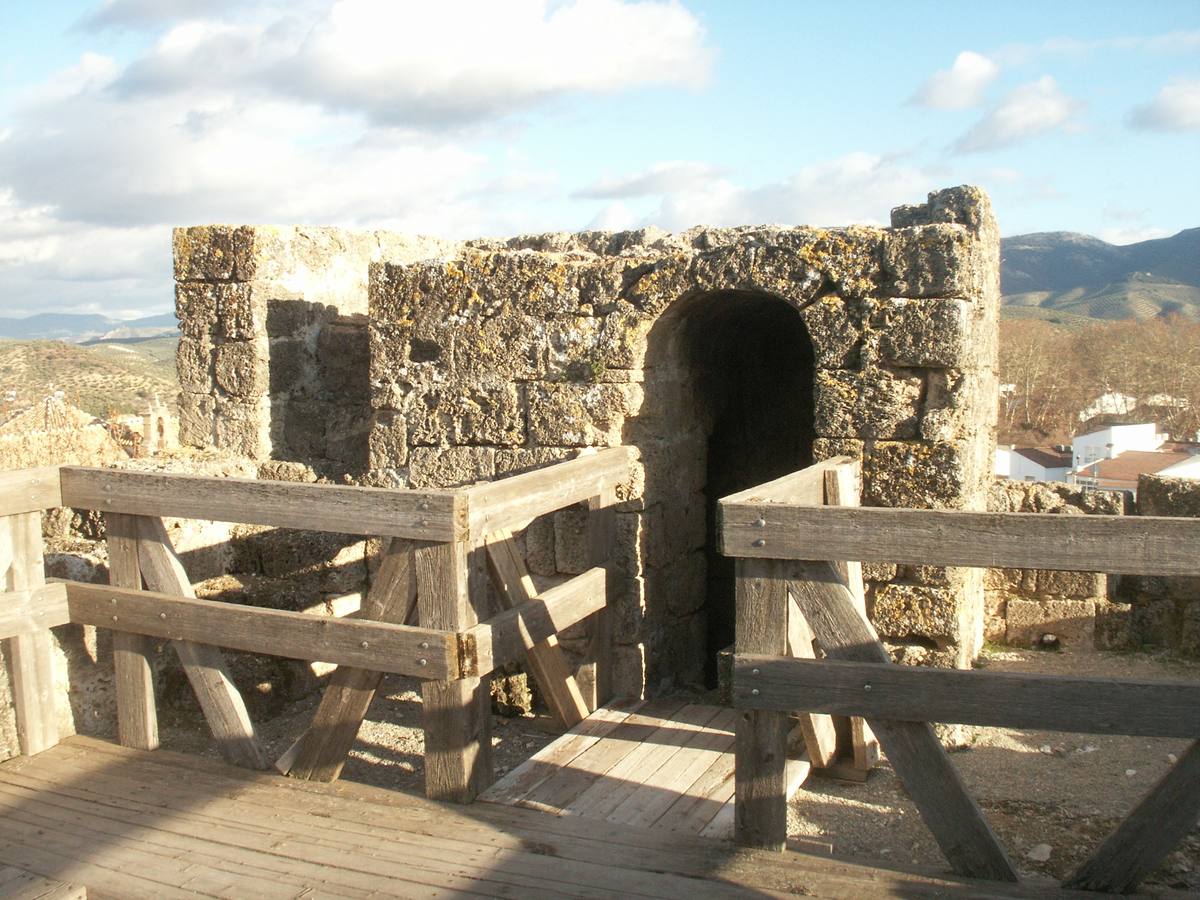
859 188
1029 110
1132 235
661 178
959 87
1168 42
1175 108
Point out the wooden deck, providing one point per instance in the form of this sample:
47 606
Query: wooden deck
666 765
127 823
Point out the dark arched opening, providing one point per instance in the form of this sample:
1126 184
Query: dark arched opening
737 367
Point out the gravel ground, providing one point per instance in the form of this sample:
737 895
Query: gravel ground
1050 796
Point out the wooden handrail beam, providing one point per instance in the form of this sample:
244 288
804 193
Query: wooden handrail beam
421 515
506 637
509 504
1003 699
29 490
27 612
419 652
1131 545
806 486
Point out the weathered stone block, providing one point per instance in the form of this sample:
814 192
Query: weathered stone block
1158 496
388 442
489 415
298 428
578 415
921 476
194 358
1075 585
1072 622
343 361
196 419
912 610
347 436
243 427
213 253
196 309
876 404
925 332
293 368
933 261
450 466
513 461
571 553
241 368
835 327
241 312
539 546
686 587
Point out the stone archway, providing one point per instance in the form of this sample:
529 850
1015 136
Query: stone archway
728 401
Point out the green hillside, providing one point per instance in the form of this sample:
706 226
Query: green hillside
115 376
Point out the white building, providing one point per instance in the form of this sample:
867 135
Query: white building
1114 440
1033 463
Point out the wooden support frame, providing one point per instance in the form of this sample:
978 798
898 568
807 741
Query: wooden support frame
546 659
1130 545
28 612
968 697
457 715
29 490
30 653
320 753
511 635
422 515
133 654
420 652
858 678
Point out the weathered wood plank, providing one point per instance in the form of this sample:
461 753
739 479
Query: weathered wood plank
191 620
457 715
133 654
29 612
29 490
30 655
512 634
595 676
555 756
511 503
915 752
759 771
820 734
1133 545
275 632
1010 700
423 515
546 659
321 751
1155 827
805 486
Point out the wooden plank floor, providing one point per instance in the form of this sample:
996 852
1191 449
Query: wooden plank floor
666 765
17 884
132 824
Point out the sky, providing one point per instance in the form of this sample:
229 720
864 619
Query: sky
120 119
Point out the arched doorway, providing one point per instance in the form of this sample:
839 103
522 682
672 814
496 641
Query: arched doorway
728 404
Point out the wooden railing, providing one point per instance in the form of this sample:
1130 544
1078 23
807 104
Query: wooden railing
782 538
422 616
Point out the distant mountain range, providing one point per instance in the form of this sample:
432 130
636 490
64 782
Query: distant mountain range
1061 274
81 329
1057 275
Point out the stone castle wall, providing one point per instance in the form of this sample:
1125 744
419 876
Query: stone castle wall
479 359
1082 611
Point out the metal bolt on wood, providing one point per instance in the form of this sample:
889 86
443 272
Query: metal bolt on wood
363 645
761 542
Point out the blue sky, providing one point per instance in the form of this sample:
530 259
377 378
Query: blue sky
119 119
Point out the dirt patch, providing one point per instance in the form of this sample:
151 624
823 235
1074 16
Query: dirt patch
1043 791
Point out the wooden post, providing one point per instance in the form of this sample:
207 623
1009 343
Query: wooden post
133 654
457 714
595 677
30 656
914 750
203 664
760 784
546 659
321 751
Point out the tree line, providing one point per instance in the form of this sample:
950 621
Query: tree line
1051 373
